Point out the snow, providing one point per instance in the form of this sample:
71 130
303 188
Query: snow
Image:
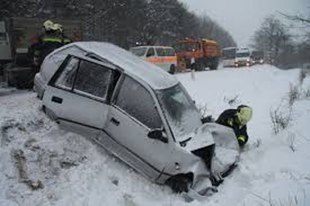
274 169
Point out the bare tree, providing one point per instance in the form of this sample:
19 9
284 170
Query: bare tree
123 22
272 37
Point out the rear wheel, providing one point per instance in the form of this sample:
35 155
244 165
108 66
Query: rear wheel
213 67
180 183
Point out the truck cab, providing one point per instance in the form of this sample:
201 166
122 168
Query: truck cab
197 53
243 57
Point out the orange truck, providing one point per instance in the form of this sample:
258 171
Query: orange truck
197 53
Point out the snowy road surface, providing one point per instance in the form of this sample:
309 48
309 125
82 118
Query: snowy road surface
41 164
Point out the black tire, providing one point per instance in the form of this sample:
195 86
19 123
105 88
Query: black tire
179 183
213 67
199 66
172 69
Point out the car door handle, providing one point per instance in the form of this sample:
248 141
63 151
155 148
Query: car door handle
114 121
57 99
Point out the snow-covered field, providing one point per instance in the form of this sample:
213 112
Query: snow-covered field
41 164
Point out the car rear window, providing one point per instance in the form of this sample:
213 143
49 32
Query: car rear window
170 52
93 79
85 78
165 52
160 52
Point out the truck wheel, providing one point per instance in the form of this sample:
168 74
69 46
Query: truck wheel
213 67
172 69
199 66
179 183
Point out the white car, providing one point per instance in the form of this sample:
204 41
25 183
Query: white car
141 114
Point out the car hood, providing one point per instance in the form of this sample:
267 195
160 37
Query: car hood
226 150
201 137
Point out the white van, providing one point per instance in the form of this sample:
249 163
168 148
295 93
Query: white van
162 56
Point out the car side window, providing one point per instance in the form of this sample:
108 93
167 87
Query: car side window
150 52
67 77
134 99
93 80
160 52
170 52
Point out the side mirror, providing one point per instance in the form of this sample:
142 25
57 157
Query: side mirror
157 134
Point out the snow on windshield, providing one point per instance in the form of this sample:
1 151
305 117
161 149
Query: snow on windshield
180 111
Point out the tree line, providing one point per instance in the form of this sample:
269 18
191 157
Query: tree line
124 22
282 46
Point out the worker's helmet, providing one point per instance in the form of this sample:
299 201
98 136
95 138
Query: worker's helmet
48 25
244 114
58 27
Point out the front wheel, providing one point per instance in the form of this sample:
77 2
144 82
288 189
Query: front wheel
179 183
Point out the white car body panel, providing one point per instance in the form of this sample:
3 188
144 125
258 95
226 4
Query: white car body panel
126 137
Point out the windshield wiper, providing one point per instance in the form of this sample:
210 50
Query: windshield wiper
183 143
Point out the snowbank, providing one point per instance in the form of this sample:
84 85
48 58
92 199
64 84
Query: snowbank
41 164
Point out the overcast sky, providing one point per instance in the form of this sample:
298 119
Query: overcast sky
242 17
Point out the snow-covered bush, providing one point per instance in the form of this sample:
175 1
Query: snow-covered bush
232 100
307 93
281 118
302 75
293 94
291 142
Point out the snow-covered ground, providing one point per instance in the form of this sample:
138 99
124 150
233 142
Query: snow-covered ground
41 164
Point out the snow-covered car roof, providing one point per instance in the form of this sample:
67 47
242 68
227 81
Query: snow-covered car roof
156 77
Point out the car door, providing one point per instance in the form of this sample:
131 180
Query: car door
134 113
77 96
161 57
152 57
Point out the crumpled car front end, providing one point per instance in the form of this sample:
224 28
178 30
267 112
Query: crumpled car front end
211 152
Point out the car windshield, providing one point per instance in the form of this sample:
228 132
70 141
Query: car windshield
243 54
138 51
180 111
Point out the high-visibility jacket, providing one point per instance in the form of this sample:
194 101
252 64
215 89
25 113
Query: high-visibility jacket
47 43
229 118
66 40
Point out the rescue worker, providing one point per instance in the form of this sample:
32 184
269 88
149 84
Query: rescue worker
47 42
41 46
237 120
60 32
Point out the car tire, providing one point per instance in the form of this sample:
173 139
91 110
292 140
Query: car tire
172 69
179 183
